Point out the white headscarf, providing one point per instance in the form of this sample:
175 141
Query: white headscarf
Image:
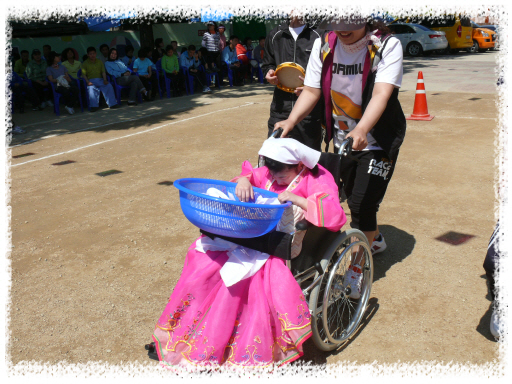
289 151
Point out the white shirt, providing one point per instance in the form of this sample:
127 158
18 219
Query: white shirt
296 31
347 79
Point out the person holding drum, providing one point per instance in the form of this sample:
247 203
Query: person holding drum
286 54
358 69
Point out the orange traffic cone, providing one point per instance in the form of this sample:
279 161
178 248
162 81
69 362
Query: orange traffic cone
420 111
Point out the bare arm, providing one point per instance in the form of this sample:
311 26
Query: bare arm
380 97
303 107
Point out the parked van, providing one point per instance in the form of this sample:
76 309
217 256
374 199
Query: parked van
457 28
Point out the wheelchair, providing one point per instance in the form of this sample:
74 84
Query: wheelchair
321 269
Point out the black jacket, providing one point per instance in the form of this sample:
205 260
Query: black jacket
281 47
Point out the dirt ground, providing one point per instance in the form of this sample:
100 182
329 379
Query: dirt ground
94 259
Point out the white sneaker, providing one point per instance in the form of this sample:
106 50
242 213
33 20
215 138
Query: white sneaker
354 278
206 90
378 245
70 110
495 325
49 103
43 105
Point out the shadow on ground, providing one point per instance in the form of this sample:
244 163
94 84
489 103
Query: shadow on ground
41 123
313 355
400 245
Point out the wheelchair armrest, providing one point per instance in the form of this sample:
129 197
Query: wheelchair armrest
303 225
274 243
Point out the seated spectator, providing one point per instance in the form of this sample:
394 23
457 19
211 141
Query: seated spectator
103 56
129 58
171 68
58 74
68 61
257 53
95 76
229 56
20 91
143 66
46 51
243 51
158 51
174 44
36 73
21 64
124 77
190 61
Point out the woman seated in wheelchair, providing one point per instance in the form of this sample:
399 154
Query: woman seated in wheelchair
261 318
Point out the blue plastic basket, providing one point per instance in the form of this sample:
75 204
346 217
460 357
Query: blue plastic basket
227 217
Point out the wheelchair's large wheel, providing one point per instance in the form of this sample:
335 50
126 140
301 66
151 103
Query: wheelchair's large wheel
334 316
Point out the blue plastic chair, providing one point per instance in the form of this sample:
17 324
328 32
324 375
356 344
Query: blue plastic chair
81 83
216 75
166 78
118 89
29 82
155 68
258 70
57 96
16 79
189 81
230 74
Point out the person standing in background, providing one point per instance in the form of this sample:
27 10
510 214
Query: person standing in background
222 41
158 51
211 41
103 53
46 51
292 42
174 44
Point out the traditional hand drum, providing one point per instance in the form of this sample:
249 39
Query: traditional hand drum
288 75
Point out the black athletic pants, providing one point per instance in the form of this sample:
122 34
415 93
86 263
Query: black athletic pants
365 176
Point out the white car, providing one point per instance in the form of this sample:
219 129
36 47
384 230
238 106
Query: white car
417 39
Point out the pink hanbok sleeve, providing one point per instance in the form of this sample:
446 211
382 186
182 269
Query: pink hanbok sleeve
257 176
324 209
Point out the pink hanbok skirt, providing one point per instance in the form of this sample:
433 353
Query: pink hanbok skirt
257 322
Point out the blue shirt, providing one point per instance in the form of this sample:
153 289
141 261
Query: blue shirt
126 59
142 66
116 68
187 61
229 56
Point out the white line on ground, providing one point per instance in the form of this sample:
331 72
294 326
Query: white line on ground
133 134
96 126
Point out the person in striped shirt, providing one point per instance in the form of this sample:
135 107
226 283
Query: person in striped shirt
211 41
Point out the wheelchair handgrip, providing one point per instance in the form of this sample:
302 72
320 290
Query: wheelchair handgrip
277 133
346 147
